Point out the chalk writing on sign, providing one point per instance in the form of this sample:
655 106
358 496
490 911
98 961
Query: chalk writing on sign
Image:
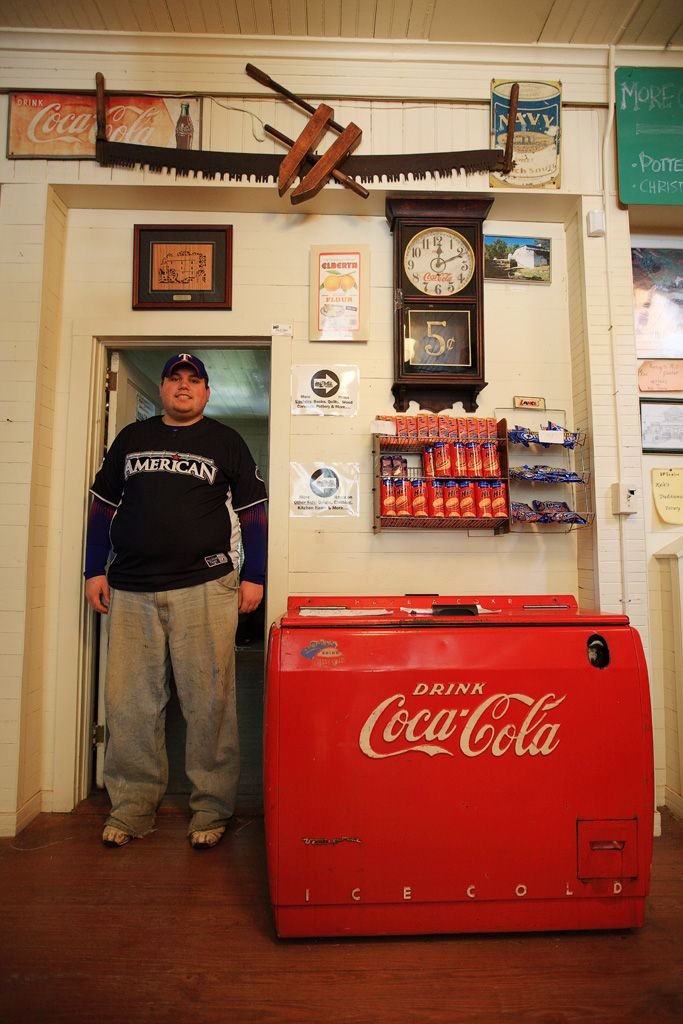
649 109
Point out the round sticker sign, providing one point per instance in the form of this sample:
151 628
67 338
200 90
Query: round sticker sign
324 482
325 382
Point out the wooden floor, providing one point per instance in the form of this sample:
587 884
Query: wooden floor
157 932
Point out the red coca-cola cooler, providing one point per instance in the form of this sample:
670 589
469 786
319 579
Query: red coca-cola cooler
460 764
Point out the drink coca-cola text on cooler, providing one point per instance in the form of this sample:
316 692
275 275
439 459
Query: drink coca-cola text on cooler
504 723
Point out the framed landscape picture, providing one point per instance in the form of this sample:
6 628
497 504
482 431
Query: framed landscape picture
524 259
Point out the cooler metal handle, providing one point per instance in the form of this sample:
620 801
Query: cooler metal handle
455 609
545 607
452 610
341 611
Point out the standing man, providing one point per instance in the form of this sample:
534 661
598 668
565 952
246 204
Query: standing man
166 505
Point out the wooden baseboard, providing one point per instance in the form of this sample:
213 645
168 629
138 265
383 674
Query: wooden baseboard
674 801
12 822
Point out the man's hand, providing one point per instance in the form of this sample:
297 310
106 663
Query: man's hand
97 593
249 596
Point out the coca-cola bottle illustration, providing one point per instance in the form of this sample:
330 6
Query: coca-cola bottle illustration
184 129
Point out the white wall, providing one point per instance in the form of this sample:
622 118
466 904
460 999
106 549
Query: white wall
68 255
527 349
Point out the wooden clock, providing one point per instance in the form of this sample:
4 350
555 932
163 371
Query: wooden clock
439 300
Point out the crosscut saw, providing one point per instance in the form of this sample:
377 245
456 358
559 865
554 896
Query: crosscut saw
266 166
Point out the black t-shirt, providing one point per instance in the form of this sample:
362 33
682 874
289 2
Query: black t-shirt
176 492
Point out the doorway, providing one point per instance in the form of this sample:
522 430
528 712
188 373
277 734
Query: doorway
239 377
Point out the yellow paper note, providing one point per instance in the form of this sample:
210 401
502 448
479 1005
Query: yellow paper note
667 487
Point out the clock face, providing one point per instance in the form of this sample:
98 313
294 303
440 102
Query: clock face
439 261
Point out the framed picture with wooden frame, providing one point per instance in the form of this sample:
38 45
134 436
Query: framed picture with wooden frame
182 266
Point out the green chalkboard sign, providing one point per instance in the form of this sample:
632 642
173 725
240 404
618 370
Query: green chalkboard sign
650 135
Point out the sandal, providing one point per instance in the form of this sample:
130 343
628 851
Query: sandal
113 836
207 838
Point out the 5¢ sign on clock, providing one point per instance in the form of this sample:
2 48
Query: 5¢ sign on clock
439 261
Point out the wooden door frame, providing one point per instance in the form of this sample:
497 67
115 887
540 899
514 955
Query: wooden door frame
84 415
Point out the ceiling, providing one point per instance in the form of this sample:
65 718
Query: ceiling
653 23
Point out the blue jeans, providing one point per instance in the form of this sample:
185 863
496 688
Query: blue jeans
192 632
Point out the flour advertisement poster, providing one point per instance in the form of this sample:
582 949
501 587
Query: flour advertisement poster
340 290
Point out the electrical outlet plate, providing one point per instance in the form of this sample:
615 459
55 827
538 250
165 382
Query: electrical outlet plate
623 500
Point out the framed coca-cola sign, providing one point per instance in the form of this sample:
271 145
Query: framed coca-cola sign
182 266
62 126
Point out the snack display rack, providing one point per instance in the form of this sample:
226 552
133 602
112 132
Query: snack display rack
412 449
549 472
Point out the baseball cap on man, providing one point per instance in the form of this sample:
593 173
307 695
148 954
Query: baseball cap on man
185 358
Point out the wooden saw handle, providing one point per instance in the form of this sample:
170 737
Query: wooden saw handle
512 117
264 79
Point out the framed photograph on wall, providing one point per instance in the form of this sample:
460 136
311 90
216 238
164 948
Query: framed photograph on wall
658 302
523 259
661 423
182 266
339 293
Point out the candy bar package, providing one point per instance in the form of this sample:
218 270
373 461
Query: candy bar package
557 512
388 495
523 473
570 436
555 474
522 435
444 428
419 497
545 474
524 513
423 426
525 436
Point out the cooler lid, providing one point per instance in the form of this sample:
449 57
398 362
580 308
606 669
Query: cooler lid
436 610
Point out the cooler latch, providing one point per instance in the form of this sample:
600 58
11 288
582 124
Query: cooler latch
455 609
607 848
451 610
